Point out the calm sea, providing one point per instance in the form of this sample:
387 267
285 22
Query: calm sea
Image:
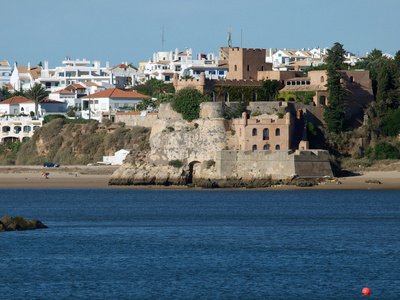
219 244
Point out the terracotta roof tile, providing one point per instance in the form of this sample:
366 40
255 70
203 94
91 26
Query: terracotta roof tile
123 66
116 93
63 92
17 100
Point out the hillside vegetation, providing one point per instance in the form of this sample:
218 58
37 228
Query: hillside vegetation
74 144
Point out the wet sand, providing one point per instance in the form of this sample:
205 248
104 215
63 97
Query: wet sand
97 177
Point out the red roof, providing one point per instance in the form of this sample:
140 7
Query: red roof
17 100
47 100
122 66
116 93
78 86
9 86
63 92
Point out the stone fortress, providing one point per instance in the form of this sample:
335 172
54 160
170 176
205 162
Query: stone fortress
269 140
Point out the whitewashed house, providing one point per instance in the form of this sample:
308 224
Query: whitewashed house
69 98
96 104
5 72
164 65
75 71
17 105
117 159
24 77
18 128
123 76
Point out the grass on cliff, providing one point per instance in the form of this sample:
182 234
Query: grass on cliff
79 144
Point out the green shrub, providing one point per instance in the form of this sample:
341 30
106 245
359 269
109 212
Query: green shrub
175 163
187 102
391 123
210 163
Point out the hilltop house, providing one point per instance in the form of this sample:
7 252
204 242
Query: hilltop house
5 72
17 105
23 77
109 100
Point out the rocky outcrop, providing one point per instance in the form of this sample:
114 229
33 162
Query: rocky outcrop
8 223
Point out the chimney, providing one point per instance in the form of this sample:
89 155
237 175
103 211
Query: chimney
107 65
29 66
46 65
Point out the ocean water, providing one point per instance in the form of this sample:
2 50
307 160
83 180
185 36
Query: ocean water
211 244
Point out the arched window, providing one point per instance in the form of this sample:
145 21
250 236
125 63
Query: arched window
27 128
17 129
248 68
226 97
35 127
266 134
6 128
254 132
235 67
262 68
277 132
322 79
277 147
266 147
212 96
254 147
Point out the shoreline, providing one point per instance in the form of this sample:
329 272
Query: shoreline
97 177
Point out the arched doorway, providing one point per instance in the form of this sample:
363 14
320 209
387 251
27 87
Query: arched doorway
194 168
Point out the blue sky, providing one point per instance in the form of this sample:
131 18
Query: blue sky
131 30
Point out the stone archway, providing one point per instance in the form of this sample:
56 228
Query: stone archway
194 167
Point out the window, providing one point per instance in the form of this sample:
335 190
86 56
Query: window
277 132
248 68
221 72
167 78
322 79
254 132
266 147
266 134
322 100
351 79
235 67
27 128
277 147
262 68
6 128
254 147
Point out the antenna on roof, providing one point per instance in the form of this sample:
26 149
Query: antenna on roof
162 39
230 37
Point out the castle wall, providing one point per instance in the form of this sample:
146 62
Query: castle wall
245 63
136 118
279 165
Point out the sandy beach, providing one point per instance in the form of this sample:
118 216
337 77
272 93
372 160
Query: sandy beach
96 177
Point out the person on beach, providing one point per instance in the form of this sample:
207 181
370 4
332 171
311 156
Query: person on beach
45 175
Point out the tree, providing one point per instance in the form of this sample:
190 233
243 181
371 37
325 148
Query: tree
334 113
269 89
154 87
187 76
145 103
187 102
5 93
37 93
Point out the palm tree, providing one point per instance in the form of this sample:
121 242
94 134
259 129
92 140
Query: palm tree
37 93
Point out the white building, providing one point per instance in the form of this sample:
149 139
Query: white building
117 159
164 65
123 76
5 72
69 98
76 71
24 77
96 104
18 128
49 106
17 105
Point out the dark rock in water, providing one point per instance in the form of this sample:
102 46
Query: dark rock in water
8 223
